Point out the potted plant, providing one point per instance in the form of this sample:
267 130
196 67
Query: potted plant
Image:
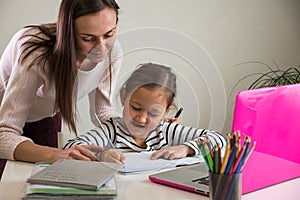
277 77
273 77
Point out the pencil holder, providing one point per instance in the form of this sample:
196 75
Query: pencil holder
225 186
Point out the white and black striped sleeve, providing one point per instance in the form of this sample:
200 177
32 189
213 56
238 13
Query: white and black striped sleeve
177 134
94 136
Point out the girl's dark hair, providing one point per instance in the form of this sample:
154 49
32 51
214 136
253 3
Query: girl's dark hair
58 47
152 76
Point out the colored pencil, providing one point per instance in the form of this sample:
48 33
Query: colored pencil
216 159
225 159
231 159
209 158
238 159
247 155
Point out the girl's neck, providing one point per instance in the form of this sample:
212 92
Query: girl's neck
140 142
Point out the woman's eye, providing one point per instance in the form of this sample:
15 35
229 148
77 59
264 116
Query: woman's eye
108 36
88 39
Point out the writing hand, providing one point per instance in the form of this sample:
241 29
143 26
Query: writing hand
111 155
172 120
175 119
173 152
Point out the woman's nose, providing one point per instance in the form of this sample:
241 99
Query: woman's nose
100 45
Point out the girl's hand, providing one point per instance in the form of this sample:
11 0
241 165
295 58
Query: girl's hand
175 119
172 120
173 152
111 155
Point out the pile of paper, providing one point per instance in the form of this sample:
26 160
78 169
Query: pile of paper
72 179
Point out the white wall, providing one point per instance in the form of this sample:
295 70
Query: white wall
202 40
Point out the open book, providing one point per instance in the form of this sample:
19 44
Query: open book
87 175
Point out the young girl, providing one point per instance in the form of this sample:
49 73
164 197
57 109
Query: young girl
147 97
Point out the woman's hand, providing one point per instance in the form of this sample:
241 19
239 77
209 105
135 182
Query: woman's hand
82 152
111 155
173 152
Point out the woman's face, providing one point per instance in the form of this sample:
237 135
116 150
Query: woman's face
144 110
95 35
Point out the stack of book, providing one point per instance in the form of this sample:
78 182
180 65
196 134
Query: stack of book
72 179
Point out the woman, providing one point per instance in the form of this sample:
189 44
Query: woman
46 68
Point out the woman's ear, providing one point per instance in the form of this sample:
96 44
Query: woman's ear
122 95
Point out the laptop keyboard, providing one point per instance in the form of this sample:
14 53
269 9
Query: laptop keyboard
202 180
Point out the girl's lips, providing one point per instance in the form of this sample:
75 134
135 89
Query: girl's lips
137 125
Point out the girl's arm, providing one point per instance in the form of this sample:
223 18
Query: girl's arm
182 140
93 137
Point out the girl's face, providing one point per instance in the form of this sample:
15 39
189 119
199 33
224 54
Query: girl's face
95 35
144 110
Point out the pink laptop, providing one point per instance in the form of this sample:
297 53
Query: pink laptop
271 116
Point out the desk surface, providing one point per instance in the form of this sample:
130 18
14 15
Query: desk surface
131 187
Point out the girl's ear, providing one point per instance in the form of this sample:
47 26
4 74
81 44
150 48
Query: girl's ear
168 110
122 95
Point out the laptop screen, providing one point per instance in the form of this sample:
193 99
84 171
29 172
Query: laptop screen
271 117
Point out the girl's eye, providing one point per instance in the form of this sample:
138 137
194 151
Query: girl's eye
135 108
153 115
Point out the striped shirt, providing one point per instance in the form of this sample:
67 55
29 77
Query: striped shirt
166 134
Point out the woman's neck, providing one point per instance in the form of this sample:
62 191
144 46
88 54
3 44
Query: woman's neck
85 64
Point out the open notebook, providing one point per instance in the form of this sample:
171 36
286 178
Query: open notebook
140 162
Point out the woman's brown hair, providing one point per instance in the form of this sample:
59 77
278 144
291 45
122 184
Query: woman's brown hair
58 47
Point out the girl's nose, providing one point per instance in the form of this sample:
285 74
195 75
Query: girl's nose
142 118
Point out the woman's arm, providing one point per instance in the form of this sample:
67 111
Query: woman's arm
30 152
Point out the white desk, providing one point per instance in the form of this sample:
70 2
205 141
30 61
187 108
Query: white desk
138 187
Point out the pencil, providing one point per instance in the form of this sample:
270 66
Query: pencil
231 159
178 113
239 159
239 143
216 159
219 158
200 147
225 159
247 155
246 143
209 157
104 132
